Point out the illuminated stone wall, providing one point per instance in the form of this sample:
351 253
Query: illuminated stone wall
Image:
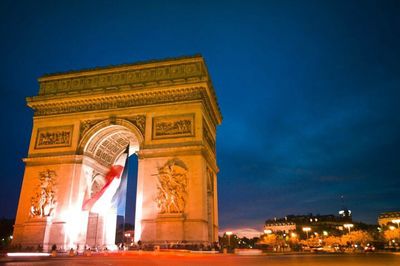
166 111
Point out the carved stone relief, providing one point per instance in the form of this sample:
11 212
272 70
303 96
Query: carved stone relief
173 126
210 181
128 77
86 125
54 137
139 121
172 187
43 202
208 137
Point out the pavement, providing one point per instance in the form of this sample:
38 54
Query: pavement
185 258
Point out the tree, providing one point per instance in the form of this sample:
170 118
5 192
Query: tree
6 231
269 239
356 237
231 241
245 242
392 234
332 240
274 240
312 241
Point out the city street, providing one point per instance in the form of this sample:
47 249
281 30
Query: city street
148 259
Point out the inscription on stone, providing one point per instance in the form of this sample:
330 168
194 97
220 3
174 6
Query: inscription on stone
173 126
54 137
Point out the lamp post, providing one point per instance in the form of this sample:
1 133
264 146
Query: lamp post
348 226
396 221
229 233
306 229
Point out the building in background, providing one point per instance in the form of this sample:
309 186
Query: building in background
389 218
311 224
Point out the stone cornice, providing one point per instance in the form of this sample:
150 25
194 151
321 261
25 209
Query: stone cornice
44 106
194 148
56 159
127 66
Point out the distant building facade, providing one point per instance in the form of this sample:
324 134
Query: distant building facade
389 218
315 223
279 226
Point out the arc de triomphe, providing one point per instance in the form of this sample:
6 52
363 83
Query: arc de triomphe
165 111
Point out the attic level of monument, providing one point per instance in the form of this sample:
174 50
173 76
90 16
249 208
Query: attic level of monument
154 82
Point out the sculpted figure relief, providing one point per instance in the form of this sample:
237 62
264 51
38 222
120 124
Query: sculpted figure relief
172 187
139 121
43 201
54 138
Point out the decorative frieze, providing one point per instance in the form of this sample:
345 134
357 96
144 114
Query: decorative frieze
43 201
173 126
157 75
172 187
54 137
110 102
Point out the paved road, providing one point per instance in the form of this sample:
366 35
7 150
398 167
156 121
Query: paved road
223 260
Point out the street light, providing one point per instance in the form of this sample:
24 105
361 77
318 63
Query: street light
348 226
229 233
306 229
267 231
396 221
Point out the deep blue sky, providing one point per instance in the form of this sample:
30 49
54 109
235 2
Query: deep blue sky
309 91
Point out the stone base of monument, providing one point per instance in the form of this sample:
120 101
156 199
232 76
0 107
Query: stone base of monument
35 233
169 227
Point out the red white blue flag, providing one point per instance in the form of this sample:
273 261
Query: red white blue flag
112 194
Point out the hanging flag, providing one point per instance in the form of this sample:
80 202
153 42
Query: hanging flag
106 197
118 201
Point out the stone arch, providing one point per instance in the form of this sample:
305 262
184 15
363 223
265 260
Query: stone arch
90 133
102 147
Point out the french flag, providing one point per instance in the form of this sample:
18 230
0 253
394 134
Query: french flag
113 193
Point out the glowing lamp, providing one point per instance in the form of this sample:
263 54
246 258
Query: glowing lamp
396 221
348 226
306 229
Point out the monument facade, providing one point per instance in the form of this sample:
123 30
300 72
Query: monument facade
87 122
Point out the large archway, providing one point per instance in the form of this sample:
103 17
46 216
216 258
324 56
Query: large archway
165 112
104 147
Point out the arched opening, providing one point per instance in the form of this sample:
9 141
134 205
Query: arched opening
105 166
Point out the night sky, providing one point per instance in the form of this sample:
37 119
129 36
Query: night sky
309 92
